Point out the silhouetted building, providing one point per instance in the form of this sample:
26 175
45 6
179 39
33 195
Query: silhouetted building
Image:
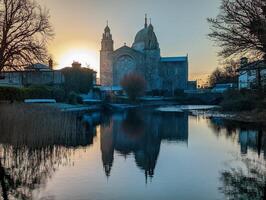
144 57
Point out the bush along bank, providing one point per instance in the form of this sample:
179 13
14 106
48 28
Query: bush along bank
12 94
243 100
244 106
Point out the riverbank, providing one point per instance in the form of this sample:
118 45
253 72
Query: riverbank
254 116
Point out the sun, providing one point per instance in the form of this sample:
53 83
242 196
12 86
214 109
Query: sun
84 56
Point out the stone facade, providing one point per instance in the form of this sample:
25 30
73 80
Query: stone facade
160 73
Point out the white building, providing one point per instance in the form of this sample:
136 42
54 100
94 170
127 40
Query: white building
249 73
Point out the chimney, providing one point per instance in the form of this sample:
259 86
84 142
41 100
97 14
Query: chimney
51 64
243 61
76 64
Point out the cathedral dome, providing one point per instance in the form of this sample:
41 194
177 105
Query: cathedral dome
146 39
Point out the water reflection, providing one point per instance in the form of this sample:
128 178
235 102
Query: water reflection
250 136
22 169
37 141
34 142
248 182
141 134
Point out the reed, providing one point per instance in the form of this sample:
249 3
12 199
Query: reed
37 126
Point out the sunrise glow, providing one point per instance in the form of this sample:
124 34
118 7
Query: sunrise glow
85 56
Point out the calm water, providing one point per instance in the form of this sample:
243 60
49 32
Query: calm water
135 155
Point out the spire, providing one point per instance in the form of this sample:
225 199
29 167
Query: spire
107 29
145 25
107 41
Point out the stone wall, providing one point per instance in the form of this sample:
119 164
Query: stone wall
106 68
174 75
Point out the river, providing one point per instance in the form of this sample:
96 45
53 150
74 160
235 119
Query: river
139 154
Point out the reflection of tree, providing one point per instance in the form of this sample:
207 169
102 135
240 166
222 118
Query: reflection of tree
22 169
219 125
249 184
133 124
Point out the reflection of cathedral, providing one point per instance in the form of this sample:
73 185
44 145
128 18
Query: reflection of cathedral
141 135
144 57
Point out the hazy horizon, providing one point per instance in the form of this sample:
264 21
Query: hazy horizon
180 26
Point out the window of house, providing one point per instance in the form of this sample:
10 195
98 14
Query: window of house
2 77
176 71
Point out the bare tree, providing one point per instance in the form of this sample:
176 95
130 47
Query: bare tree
240 28
24 32
226 74
134 84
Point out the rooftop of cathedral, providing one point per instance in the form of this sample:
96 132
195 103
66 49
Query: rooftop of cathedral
174 59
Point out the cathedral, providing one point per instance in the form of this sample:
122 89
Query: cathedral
144 58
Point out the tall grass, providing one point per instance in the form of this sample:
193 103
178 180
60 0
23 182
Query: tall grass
33 141
39 125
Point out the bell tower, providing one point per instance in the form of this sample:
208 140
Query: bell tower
107 48
107 41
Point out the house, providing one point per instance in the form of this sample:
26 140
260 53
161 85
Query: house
36 74
249 73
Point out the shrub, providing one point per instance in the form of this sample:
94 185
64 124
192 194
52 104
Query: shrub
134 85
235 100
179 93
59 94
33 92
37 92
79 80
11 94
156 93
74 98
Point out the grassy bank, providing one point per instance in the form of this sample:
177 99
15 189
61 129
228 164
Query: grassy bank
244 100
244 105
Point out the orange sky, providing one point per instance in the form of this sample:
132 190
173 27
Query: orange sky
180 26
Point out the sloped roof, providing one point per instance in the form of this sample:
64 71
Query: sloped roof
37 66
127 48
174 59
259 64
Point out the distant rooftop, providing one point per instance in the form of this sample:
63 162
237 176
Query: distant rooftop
174 59
259 64
37 66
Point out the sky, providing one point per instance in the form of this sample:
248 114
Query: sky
180 26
